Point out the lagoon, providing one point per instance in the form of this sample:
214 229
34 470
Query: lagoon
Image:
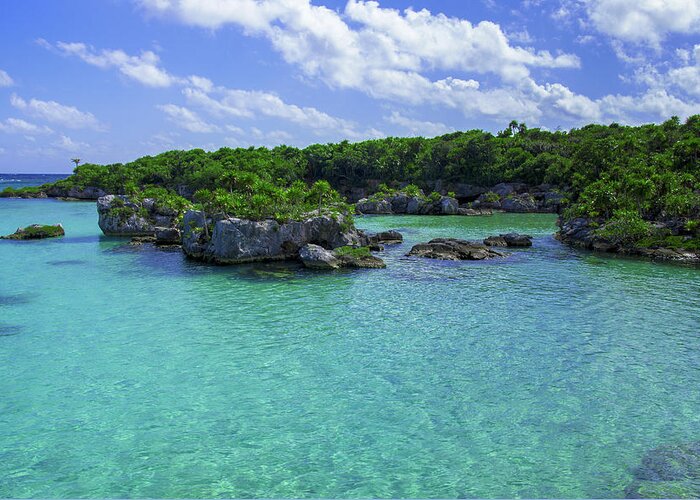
131 372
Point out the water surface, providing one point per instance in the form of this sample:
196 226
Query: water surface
130 372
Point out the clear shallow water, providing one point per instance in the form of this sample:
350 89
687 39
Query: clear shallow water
129 372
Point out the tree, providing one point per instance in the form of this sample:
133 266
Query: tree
76 161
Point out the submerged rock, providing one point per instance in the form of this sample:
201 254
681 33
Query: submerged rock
509 240
36 232
454 249
670 471
233 240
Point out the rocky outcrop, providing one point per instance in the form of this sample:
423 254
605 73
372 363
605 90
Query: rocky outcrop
454 249
167 236
233 240
586 234
509 240
390 237
400 203
359 257
520 198
671 471
317 257
36 232
87 193
473 211
121 216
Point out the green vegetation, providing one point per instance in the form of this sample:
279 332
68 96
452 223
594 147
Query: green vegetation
650 170
354 252
36 232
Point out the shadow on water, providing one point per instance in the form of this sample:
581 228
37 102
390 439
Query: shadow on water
10 330
75 262
16 299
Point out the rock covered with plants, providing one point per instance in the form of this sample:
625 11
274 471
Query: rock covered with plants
147 213
36 232
317 257
608 175
258 220
408 200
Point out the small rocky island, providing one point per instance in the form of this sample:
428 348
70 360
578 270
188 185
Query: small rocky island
36 232
456 249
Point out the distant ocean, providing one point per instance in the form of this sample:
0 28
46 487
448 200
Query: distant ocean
23 180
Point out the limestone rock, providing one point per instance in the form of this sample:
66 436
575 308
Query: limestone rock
168 236
454 249
317 257
234 240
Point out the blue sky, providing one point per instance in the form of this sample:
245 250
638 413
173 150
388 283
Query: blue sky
113 80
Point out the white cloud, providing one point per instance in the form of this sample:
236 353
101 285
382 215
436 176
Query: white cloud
67 144
19 126
688 77
648 21
143 68
5 80
323 44
187 119
223 102
417 127
55 112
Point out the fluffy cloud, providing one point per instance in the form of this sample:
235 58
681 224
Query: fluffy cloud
322 42
418 127
5 80
647 21
222 102
19 126
187 119
55 112
143 68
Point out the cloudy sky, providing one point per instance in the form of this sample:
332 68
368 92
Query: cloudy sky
112 80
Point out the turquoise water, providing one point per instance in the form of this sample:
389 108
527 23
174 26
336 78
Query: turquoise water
131 372
17 181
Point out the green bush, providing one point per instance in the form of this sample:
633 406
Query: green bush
626 227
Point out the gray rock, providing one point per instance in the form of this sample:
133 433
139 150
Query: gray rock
454 249
317 257
367 206
233 240
449 206
168 236
471 212
121 216
517 240
118 216
519 204
495 241
507 188
390 237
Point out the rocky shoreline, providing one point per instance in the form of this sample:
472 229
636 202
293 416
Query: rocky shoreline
505 197
585 233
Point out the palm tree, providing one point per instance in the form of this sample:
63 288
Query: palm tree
76 161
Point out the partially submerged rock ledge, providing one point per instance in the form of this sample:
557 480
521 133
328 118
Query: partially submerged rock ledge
36 232
454 249
585 233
